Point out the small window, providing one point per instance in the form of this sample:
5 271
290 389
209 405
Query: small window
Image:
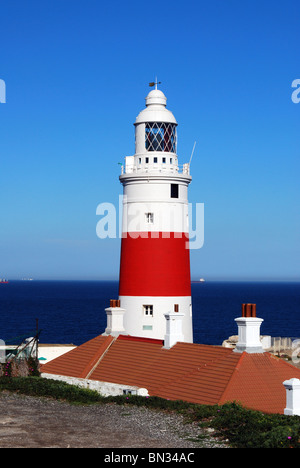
140 160
164 160
149 218
155 160
174 190
171 160
148 310
147 160
129 392
147 327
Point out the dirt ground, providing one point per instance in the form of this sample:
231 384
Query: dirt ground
29 422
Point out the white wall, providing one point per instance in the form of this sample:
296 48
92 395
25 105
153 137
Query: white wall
103 388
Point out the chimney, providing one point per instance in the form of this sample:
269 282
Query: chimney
249 331
115 318
292 387
173 327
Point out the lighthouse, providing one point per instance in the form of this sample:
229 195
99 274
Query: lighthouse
154 282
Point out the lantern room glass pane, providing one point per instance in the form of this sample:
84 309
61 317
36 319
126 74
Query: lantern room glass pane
160 136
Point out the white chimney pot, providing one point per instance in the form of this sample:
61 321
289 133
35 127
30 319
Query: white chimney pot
249 335
115 321
173 329
292 387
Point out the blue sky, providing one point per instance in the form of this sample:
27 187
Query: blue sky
76 75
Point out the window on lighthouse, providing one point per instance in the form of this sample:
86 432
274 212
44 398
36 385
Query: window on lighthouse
149 218
160 136
174 190
148 310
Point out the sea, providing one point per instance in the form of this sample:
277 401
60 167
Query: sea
73 312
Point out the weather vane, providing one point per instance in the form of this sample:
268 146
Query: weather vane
154 83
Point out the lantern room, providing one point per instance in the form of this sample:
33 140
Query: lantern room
155 133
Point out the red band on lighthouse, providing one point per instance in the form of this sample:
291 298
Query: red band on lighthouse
156 265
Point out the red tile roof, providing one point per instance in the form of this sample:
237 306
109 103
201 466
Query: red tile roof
79 361
258 382
193 372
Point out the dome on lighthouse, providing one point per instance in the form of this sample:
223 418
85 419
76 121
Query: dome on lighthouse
156 110
156 97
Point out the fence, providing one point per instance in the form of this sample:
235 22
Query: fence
280 344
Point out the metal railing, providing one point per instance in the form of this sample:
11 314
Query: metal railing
156 168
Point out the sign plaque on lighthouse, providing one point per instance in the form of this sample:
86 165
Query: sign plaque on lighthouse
155 258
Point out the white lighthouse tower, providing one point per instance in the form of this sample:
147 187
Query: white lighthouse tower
155 279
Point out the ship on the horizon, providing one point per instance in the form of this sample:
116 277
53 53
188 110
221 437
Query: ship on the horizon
3 280
201 280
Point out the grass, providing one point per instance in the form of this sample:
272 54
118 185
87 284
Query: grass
243 428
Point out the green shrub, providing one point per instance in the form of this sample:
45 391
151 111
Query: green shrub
253 429
36 386
20 368
33 367
6 370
